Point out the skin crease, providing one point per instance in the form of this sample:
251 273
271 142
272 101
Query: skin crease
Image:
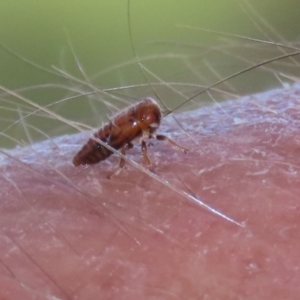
82 236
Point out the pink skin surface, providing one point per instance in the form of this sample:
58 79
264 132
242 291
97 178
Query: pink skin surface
82 236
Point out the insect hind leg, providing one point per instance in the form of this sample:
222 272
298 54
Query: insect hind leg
122 161
162 137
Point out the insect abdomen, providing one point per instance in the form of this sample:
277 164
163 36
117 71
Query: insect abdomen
115 134
93 152
120 132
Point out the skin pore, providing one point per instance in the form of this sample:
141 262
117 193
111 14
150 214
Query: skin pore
71 233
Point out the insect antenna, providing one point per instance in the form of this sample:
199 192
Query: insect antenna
167 112
141 67
235 75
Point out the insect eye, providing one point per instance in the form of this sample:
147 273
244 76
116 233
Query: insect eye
148 118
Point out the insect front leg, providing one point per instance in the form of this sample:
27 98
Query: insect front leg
162 137
122 161
145 137
145 155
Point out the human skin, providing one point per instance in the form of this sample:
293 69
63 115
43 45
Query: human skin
70 235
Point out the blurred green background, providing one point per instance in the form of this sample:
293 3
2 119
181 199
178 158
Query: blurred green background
44 33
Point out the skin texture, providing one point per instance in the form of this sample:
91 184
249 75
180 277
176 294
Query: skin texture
66 236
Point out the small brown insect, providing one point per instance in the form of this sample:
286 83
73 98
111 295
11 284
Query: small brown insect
139 120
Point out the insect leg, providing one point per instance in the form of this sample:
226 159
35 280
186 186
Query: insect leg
122 161
162 137
145 155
